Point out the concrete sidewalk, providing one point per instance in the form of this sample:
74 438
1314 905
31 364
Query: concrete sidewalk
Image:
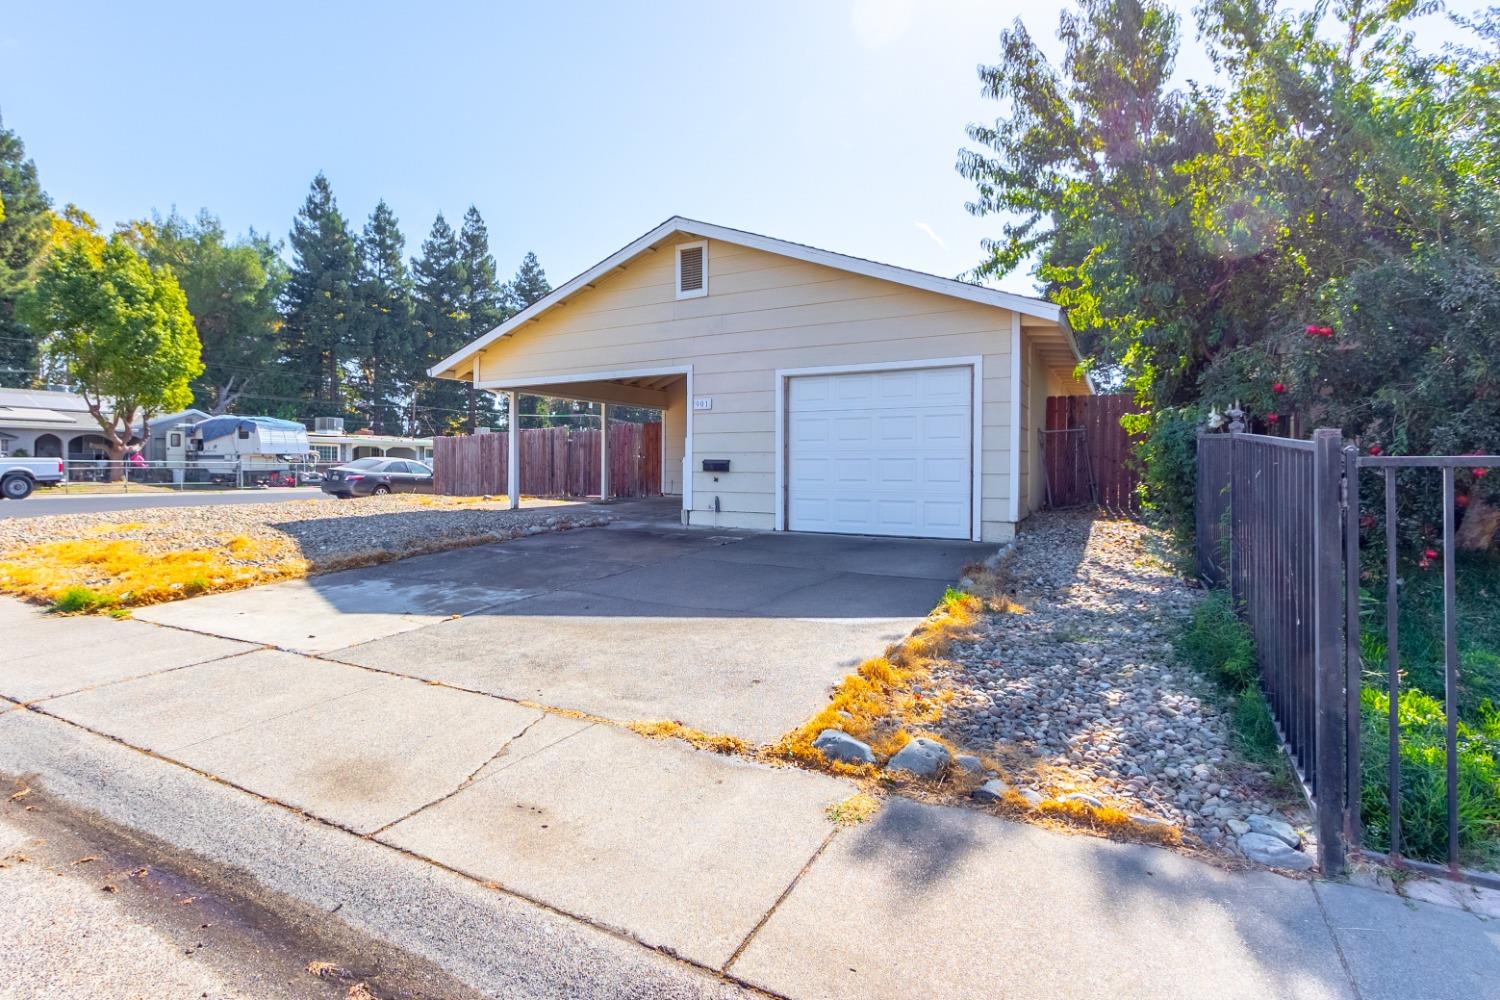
534 853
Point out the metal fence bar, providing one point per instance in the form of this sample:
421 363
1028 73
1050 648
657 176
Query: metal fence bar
1393 659
1450 663
1353 668
1293 568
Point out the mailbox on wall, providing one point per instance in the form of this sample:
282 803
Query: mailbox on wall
716 465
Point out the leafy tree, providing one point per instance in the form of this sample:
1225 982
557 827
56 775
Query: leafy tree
119 328
441 405
482 304
319 300
24 229
1319 237
382 328
232 289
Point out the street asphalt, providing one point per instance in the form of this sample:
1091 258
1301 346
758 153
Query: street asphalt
45 502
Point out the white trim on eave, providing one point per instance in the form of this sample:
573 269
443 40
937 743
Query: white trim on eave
798 251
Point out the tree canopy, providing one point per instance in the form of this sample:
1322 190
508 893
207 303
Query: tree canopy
317 338
24 229
231 288
1316 233
119 328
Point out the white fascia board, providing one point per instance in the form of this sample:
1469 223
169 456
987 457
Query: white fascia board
798 251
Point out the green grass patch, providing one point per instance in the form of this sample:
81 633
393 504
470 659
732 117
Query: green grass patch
1424 781
1420 625
73 600
1219 645
1421 716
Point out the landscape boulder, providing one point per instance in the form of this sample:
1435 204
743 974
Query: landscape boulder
991 791
1272 827
1267 850
922 757
836 745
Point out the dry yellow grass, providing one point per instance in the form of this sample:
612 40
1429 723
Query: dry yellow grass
880 702
120 572
666 729
854 810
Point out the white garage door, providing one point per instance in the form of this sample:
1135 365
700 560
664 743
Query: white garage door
881 453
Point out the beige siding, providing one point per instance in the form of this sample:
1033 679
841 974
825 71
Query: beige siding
762 313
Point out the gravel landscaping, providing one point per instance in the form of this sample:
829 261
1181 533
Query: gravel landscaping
1080 692
147 555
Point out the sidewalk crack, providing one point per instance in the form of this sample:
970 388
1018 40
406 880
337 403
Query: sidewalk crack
463 784
1338 947
779 900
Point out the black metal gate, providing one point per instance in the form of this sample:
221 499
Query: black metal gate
1279 522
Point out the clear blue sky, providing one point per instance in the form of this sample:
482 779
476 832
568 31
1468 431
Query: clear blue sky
573 127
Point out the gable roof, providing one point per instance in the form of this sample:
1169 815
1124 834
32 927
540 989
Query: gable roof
1023 304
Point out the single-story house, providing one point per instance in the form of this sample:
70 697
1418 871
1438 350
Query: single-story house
800 390
331 444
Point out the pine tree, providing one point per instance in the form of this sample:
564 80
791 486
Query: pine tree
441 405
318 301
23 233
382 327
529 284
482 303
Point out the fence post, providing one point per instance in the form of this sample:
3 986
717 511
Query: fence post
1328 663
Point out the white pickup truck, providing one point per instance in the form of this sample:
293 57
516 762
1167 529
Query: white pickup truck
19 476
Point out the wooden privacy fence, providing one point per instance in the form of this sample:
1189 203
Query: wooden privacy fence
1086 453
555 462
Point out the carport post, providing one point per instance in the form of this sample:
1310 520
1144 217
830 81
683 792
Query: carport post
603 452
513 449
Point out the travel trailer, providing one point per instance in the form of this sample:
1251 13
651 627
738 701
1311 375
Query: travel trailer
222 449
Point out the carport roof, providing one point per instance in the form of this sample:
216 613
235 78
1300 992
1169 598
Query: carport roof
1023 304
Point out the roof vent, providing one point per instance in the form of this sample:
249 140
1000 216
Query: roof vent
692 269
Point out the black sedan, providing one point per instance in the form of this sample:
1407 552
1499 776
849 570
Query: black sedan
377 477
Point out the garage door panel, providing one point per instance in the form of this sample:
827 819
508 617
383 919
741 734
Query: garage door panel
887 453
954 429
897 473
947 471
953 517
853 470
897 427
946 385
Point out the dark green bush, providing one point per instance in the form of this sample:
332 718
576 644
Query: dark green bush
1424 787
1168 458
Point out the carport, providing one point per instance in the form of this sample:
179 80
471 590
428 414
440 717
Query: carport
664 389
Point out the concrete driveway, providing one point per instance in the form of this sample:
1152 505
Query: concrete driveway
730 633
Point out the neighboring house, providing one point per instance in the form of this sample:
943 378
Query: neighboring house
331 445
801 390
48 424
